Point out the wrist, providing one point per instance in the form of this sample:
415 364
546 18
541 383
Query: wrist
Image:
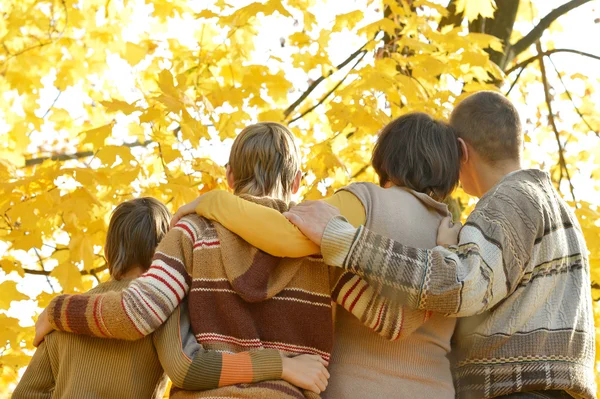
285 366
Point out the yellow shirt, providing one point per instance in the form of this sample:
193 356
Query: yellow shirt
266 228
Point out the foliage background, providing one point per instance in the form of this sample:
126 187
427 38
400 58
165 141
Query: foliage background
105 100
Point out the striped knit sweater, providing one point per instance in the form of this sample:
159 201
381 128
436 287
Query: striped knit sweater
75 366
519 279
189 258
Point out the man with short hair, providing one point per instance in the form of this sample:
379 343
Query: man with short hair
519 277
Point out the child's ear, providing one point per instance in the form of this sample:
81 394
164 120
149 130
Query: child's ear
297 181
230 180
464 157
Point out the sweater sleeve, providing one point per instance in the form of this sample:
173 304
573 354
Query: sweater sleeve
464 280
191 367
387 317
266 228
143 306
38 380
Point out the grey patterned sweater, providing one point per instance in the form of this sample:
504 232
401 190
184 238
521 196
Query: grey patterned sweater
519 280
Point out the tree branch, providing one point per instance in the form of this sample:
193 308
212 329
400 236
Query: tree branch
316 83
572 101
324 98
82 272
561 155
528 61
78 155
536 33
514 83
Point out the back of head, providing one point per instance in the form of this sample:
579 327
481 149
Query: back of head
135 229
264 161
489 123
418 152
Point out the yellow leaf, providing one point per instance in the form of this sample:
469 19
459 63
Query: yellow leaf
272 115
348 20
108 155
119 106
9 293
169 154
134 53
474 8
98 136
151 115
9 264
68 276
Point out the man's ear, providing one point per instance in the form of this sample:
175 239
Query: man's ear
230 179
464 149
297 181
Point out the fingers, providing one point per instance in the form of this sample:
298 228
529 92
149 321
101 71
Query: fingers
447 221
174 220
326 372
321 360
36 341
293 217
323 378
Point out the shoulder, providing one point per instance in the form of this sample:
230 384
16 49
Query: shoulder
110 285
516 204
194 227
522 191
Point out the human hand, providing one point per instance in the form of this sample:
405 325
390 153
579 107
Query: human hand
42 328
311 217
448 232
306 372
185 210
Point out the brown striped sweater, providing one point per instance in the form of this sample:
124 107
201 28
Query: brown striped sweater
519 279
77 366
240 299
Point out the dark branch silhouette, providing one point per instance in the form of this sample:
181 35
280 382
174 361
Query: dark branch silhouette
536 33
528 61
78 155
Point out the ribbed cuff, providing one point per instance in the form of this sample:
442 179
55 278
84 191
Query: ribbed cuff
51 311
266 365
337 241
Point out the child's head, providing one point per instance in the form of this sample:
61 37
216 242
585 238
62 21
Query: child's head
264 161
135 229
489 125
418 152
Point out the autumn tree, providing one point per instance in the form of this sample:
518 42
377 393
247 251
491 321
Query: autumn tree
102 101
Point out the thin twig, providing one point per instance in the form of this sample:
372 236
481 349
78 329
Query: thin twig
324 98
52 105
78 155
561 155
44 269
316 83
571 98
514 83
528 61
82 272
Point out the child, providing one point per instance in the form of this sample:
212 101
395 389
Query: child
76 366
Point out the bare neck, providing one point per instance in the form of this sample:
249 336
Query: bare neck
488 175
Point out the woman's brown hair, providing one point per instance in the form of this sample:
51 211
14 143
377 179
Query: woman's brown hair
418 152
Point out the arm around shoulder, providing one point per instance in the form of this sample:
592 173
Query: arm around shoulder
193 368
461 281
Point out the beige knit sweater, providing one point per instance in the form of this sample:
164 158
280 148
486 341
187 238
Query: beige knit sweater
363 364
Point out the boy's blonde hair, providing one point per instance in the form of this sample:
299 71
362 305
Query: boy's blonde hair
135 229
264 161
